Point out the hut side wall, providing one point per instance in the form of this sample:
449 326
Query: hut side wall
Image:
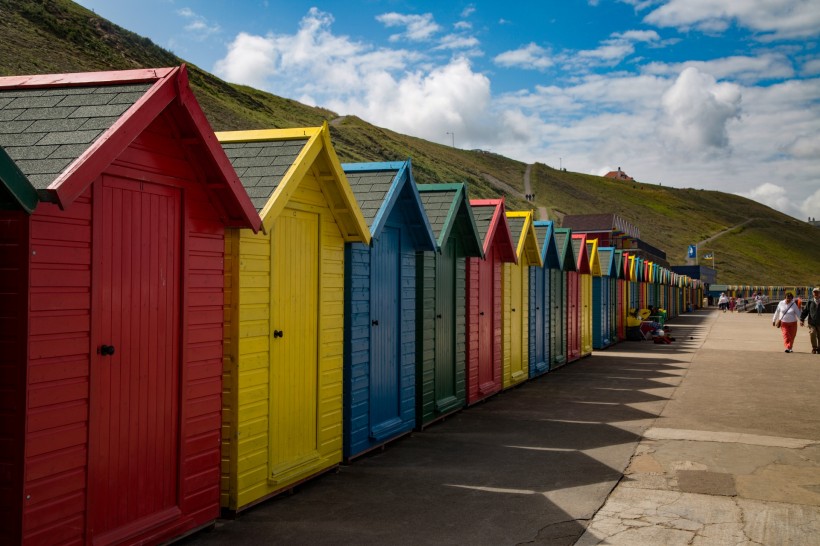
516 370
425 336
472 318
246 472
14 261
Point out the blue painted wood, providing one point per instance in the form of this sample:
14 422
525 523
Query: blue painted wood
540 323
380 309
385 312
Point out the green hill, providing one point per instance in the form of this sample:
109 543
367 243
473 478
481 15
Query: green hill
53 36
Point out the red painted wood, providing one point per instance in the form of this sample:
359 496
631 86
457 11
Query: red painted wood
489 381
133 428
86 78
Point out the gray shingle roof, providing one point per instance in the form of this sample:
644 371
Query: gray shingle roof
261 166
516 228
370 189
45 130
436 205
483 215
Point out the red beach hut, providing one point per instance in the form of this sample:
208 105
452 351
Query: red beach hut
114 197
484 299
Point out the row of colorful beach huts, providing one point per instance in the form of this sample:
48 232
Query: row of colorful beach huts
193 321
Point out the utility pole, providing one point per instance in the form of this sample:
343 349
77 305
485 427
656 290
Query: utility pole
453 134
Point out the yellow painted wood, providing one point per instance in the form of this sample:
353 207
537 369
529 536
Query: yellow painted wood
586 314
283 396
515 303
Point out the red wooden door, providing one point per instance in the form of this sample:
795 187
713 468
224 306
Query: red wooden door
486 328
133 434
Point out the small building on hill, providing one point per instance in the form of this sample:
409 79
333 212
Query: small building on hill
618 175
612 230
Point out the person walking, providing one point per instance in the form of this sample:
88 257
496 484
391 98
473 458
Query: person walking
759 305
812 313
723 301
785 317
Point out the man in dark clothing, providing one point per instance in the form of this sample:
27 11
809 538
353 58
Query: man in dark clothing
812 312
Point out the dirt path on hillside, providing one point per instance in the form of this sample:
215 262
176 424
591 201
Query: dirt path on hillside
725 231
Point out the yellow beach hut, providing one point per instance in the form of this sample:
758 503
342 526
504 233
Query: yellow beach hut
516 298
284 317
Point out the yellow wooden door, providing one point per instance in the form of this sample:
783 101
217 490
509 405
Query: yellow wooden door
294 343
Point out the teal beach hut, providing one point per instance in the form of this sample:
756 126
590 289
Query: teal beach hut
441 302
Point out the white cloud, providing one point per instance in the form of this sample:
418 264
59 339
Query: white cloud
529 56
469 10
455 41
463 25
810 207
769 66
771 195
697 111
773 19
811 68
418 27
197 24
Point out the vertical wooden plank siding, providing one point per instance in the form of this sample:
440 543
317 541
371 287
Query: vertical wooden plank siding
586 314
474 329
573 315
285 406
134 412
14 279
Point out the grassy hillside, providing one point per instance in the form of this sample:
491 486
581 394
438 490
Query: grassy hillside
52 36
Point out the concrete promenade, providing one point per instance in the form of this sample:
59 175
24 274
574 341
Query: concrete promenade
714 439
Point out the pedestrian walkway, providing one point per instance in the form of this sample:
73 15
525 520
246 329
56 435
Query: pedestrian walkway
714 439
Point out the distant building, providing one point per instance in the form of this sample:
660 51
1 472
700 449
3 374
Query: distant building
618 175
701 272
612 230
814 222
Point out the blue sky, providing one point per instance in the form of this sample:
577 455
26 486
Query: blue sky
714 94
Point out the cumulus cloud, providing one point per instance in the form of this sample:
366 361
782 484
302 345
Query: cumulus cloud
771 195
417 27
771 19
697 111
395 88
810 207
767 66
529 56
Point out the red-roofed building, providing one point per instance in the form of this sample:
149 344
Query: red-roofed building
618 175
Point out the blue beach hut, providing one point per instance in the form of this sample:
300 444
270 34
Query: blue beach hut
380 301
603 296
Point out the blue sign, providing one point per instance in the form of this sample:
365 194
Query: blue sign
693 251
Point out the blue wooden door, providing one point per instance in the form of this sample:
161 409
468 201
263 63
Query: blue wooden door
558 317
385 335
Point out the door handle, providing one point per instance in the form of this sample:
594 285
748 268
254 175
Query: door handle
513 309
438 316
374 322
481 313
278 333
106 350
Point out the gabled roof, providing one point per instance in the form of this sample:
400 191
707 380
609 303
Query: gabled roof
449 211
273 162
609 261
607 222
579 251
523 234
60 131
493 229
545 231
379 188
563 242
592 253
